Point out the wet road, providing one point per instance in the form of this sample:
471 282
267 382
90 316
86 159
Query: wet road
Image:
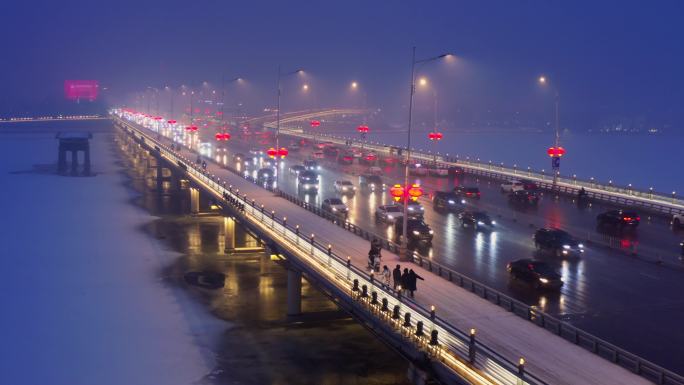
625 300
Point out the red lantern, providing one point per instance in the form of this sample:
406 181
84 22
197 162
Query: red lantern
271 152
397 192
435 135
315 123
171 121
556 152
222 136
415 192
282 153
362 129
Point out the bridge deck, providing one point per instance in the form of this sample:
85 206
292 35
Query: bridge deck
549 357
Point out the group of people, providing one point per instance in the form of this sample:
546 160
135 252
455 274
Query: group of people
405 281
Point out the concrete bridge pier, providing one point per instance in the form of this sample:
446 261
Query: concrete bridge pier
194 201
294 292
228 234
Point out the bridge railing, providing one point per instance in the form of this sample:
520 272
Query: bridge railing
621 195
453 347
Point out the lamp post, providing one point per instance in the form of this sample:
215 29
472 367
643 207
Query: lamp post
277 138
223 94
555 160
404 239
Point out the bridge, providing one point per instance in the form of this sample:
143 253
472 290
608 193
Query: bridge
446 331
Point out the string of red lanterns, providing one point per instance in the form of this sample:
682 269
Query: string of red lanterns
171 121
222 136
398 192
282 153
315 123
191 128
363 129
435 135
556 152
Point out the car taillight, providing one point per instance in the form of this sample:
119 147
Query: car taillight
469 193
626 219
638 219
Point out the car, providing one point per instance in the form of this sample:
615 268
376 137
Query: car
249 161
448 201
388 213
478 220
346 158
619 218
265 175
371 182
510 186
678 220
344 187
268 162
256 152
294 147
537 274
331 151
439 171
375 170
529 185
308 181
558 242
415 210
238 157
318 155
468 192
456 171
311 165
368 159
523 197
296 169
417 169
335 206
417 231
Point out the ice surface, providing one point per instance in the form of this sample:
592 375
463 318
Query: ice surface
82 294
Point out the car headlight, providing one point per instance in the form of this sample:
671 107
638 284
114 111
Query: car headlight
493 222
415 232
390 216
566 247
451 202
422 208
372 184
480 223
543 280
344 189
463 201
581 246
431 232
334 208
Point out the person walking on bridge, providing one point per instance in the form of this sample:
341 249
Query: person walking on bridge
412 282
405 281
396 274
386 275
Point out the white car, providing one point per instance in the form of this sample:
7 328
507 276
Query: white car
335 206
344 187
511 186
389 213
678 220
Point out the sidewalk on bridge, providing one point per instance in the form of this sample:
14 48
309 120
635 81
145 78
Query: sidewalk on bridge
548 356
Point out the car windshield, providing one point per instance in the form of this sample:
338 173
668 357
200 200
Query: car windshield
543 268
416 223
629 214
335 201
481 216
344 182
373 179
308 175
392 209
472 189
448 195
562 235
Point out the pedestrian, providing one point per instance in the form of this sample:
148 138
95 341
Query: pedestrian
412 281
386 275
405 281
396 274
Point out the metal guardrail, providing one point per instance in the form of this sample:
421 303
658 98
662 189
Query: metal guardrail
604 349
620 195
452 346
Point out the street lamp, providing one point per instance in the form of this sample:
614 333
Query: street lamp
404 239
555 159
280 75
223 94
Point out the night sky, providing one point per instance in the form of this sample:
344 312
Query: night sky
606 58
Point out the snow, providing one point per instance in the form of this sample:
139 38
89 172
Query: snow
82 293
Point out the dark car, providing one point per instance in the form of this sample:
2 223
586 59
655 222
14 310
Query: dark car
447 201
265 175
346 158
417 231
468 192
371 182
537 274
558 242
415 210
619 218
456 171
296 169
311 165
529 185
524 198
308 182
478 220
331 151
